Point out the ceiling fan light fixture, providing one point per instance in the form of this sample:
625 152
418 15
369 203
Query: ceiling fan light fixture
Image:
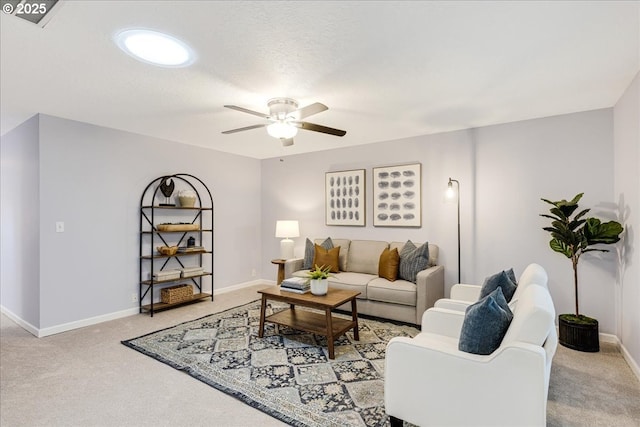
155 48
282 130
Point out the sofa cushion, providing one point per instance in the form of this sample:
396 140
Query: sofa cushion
352 282
485 324
500 280
364 256
344 250
326 258
388 264
433 251
398 292
413 260
309 251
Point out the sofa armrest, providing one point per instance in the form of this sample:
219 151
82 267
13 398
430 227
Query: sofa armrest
453 304
464 292
429 289
442 322
291 266
427 381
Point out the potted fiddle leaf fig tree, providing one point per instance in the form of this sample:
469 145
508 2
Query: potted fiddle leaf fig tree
573 234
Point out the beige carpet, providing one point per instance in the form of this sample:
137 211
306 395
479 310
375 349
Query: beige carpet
86 377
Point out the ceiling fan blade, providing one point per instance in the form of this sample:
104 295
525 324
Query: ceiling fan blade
244 110
244 128
319 128
309 110
286 141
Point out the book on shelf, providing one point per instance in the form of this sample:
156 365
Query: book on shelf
186 249
296 283
295 291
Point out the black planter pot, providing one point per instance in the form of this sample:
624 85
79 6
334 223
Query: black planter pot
579 336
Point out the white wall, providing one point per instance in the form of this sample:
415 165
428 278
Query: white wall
503 171
92 178
293 188
554 158
627 193
19 218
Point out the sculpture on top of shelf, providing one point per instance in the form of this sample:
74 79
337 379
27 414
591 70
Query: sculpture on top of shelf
166 187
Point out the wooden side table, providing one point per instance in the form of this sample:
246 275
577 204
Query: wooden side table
280 263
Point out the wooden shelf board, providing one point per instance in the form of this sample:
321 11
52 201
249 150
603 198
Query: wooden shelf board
176 231
175 255
158 306
161 282
310 321
196 208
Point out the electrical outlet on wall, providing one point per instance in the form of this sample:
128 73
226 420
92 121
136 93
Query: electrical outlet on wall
253 272
134 297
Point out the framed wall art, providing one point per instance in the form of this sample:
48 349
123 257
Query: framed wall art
397 196
345 197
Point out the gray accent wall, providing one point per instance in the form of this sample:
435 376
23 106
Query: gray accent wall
503 171
91 178
627 199
19 223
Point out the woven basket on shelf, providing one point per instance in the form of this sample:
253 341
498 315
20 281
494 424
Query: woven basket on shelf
177 293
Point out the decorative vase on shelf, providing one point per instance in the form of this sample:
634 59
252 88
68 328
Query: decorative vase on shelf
187 198
319 286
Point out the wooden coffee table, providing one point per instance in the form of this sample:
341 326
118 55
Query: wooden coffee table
318 323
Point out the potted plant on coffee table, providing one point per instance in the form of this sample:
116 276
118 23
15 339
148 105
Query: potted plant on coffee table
318 277
573 235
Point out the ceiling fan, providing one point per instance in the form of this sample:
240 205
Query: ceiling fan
285 119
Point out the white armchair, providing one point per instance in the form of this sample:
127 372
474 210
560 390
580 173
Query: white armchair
429 382
463 295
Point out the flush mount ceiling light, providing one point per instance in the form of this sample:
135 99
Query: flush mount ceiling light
155 48
282 129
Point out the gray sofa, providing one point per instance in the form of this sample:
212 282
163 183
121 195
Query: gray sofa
398 300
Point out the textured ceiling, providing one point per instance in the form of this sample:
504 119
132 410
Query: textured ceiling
386 70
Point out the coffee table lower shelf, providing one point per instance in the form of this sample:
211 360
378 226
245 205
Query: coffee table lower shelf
309 321
318 320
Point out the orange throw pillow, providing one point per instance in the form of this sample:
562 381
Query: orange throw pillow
388 264
327 258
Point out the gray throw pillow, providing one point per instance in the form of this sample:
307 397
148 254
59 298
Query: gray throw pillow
413 260
310 251
512 276
501 280
485 324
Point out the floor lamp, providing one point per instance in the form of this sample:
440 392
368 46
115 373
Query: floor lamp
450 193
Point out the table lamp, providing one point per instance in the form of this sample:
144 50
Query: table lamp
287 229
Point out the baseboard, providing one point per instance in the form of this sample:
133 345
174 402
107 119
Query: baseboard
613 339
632 363
243 285
19 321
52 330
609 338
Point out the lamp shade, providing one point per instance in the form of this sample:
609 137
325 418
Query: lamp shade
287 229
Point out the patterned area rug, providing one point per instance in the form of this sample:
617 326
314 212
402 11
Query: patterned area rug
287 373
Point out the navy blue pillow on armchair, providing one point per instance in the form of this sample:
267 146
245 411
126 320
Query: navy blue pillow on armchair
498 280
485 324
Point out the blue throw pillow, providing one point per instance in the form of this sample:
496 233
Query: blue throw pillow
412 260
512 276
310 251
500 280
485 324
